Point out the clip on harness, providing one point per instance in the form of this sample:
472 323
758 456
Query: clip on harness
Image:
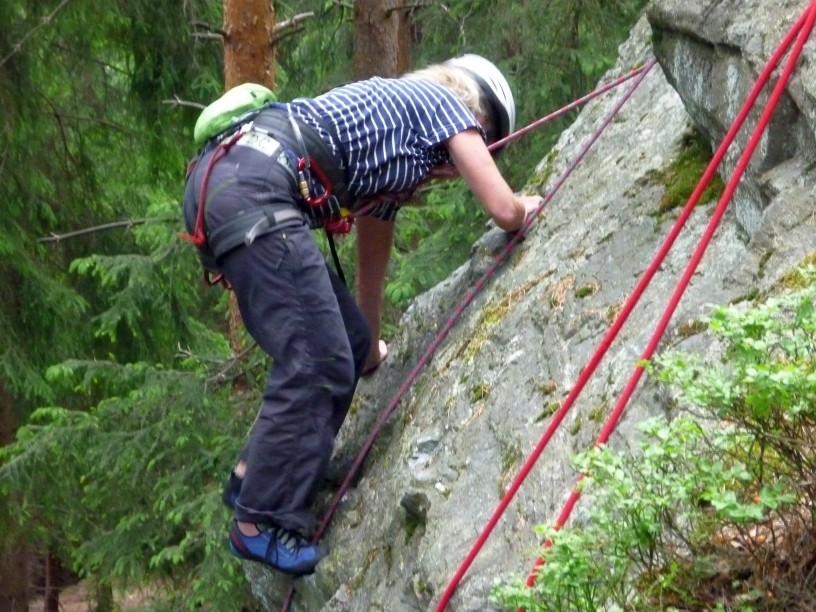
340 226
307 164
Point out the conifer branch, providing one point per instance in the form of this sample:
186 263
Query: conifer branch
15 48
288 27
105 226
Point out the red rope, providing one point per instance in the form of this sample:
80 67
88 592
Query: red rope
529 464
638 73
449 171
803 28
571 106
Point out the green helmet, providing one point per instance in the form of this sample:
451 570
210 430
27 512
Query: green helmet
222 113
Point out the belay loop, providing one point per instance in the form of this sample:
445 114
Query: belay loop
341 226
337 226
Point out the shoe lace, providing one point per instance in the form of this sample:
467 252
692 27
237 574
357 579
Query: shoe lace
289 539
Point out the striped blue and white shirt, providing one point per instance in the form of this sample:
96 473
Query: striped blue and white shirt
387 132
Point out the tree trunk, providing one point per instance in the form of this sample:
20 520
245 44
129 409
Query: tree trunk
103 597
14 564
53 583
381 38
249 57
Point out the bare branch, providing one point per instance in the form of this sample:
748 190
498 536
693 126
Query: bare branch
203 26
208 36
288 27
293 22
230 364
106 226
176 101
15 48
225 373
407 7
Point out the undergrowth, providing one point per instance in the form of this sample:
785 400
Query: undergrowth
714 510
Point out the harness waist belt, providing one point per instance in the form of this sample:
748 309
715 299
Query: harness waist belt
244 228
276 121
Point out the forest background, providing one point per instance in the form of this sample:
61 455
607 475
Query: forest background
125 392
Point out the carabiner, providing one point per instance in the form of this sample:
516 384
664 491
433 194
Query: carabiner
309 164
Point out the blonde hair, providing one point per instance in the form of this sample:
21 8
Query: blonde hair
457 81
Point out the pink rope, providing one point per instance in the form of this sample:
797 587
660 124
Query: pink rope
449 171
803 28
571 106
528 465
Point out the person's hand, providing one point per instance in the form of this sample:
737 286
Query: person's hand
531 204
374 361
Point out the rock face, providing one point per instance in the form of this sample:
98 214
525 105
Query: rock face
447 454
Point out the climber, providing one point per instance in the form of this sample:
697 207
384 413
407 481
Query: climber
252 194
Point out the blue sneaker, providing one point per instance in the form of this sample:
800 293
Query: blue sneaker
278 548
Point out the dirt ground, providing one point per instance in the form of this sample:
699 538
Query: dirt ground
75 599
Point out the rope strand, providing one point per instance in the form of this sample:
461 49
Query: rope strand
556 420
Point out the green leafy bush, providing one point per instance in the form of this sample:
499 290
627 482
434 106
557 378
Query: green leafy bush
715 507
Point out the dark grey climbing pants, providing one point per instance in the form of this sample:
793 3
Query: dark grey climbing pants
307 321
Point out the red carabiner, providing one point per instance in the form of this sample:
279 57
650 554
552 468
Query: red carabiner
216 278
308 163
341 226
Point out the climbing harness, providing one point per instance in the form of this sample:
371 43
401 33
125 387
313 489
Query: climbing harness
306 166
304 155
338 225
199 237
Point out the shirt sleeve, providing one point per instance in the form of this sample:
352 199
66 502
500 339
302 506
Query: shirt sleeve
384 211
450 115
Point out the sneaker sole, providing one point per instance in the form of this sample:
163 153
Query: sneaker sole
297 574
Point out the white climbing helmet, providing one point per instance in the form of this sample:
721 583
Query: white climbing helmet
495 88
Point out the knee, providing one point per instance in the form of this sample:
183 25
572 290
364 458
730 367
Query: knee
335 371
